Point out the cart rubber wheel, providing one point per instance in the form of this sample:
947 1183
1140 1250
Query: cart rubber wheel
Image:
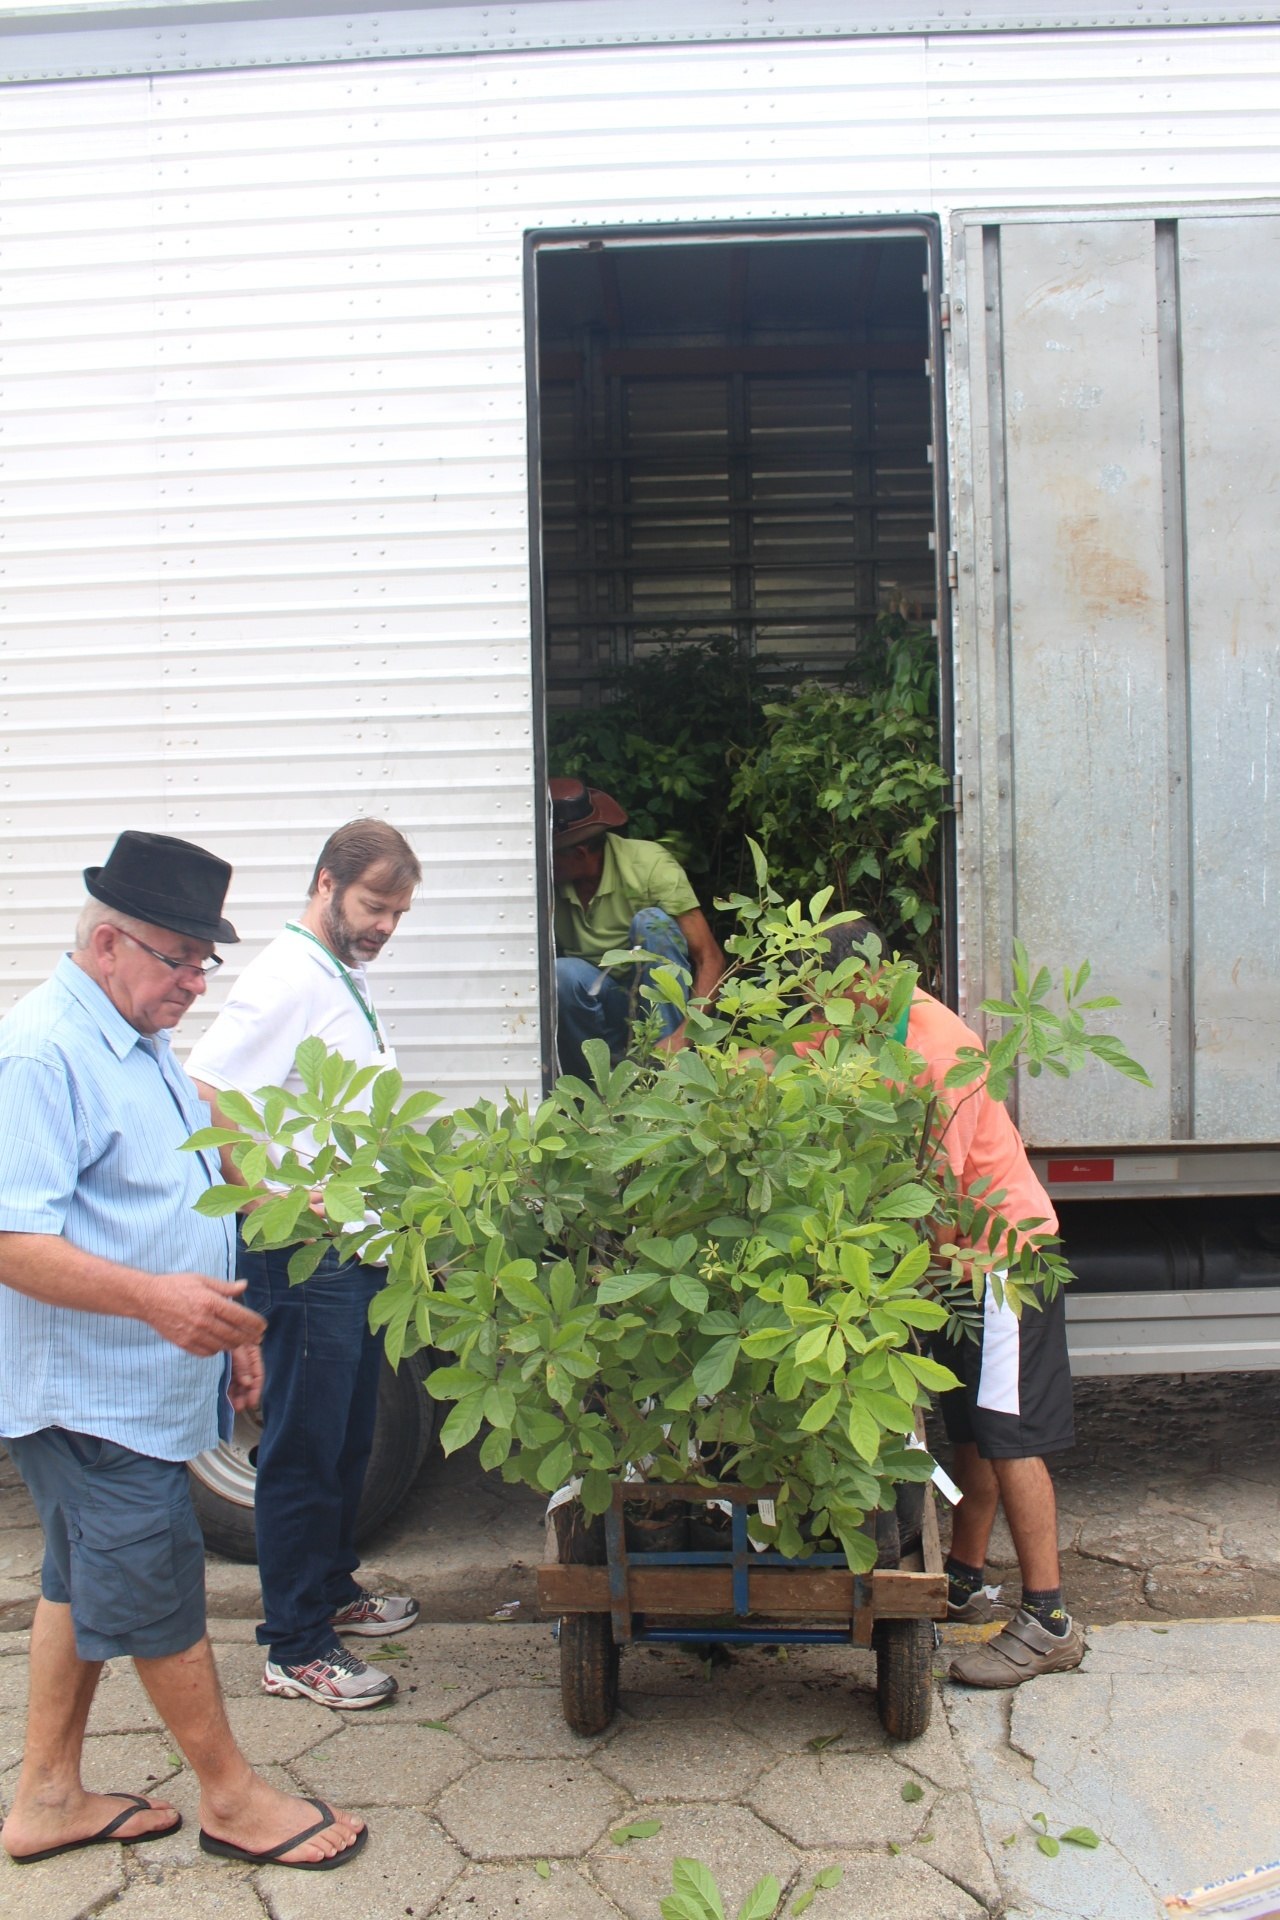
588 1671
904 1676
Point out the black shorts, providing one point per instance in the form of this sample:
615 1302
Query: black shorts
1015 1403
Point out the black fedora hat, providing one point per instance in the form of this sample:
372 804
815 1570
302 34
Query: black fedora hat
166 882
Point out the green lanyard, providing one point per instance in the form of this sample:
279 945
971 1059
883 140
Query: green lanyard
900 1026
291 926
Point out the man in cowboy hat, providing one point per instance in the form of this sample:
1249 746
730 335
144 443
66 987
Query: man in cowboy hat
117 1309
615 892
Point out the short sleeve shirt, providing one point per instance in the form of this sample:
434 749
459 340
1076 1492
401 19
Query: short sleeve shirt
293 991
93 1117
636 874
977 1138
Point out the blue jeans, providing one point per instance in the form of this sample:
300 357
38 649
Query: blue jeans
591 1005
318 1405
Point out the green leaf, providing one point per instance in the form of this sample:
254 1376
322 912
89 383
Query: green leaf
715 1369
543 1869
822 1412
238 1108
344 1203
864 1431
637 1830
1081 1837
556 1468
803 1901
684 1906
689 1292
624 1286
690 1877
304 1260
1047 1844
212 1137
829 1877
930 1373
462 1424
216 1202
912 1791
762 1901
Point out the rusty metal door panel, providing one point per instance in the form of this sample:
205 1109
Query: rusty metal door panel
1229 279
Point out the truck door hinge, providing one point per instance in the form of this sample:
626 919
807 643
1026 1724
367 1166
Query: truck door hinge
953 568
944 314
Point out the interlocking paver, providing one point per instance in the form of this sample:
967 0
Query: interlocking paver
499 1893
690 1757
901 1888
520 1723
523 1809
407 1864
400 1763
832 1799
64 1889
280 1729
736 1847
208 1892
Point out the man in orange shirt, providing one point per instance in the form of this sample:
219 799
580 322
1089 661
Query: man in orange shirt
1015 1402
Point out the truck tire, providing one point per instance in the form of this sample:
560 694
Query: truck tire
222 1480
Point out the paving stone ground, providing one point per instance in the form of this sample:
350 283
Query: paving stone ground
483 1806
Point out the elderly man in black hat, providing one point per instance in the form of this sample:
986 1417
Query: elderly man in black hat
117 1311
614 892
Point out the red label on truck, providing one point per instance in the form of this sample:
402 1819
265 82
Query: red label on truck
1062 1171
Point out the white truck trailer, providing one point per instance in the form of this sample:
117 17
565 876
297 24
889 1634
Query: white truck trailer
369 380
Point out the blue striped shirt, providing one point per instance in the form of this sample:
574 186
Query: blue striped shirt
92 1117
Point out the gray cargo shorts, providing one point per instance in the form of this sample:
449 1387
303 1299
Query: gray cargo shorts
123 1548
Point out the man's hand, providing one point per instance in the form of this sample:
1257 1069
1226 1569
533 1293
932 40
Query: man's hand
202 1315
245 1389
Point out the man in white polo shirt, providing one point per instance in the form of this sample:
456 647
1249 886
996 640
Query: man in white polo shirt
321 1360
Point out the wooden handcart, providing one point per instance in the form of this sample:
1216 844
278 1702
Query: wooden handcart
740 1597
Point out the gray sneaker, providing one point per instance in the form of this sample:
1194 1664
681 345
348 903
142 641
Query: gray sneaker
1021 1650
371 1615
334 1679
982 1606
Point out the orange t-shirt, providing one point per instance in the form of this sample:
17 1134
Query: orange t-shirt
977 1138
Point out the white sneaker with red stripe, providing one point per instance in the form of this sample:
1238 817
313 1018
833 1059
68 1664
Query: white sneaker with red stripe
371 1615
334 1679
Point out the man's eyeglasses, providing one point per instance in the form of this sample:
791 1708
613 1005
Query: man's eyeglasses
206 967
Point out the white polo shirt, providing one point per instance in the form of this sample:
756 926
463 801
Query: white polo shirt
294 990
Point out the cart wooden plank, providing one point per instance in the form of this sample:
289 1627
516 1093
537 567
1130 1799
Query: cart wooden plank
688 1591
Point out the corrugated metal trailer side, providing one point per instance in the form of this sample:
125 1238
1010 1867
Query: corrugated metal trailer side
264 380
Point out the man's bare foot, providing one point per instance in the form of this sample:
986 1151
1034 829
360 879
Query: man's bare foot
263 1818
34 1827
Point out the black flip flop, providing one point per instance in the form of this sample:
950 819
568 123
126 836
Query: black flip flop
105 1835
270 1856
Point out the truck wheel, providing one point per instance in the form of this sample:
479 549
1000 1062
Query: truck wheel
904 1676
588 1671
222 1480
